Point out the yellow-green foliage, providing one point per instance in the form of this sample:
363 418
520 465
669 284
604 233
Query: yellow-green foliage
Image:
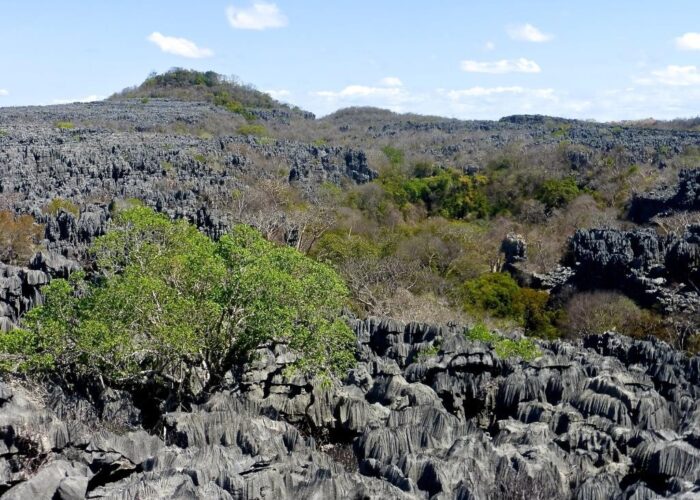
556 193
58 204
394 155
498 295
447 192
65 125
523 348
253 129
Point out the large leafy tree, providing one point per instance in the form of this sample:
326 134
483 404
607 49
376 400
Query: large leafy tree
166 300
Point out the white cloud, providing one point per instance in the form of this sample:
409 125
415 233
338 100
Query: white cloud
361 91
87 98
278 94
179 46
489 91
489 46
689 41
468 103
258 16
393 98
520 65
391 81
4 92
528 33
677 76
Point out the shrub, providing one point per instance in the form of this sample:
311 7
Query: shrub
504 347
65 125
58 204
394 155
168 299
498 295
448 193
224 99
596 312
537 318
555 193
19 236
494 293
253 129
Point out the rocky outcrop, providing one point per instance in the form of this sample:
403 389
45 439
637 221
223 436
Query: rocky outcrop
426 413
135 151
685 196
652 268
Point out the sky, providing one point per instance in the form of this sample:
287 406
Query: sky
602 60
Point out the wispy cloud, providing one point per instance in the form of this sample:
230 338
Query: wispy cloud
395 98
520 65
4 92
528 33
467 103
391 81
489 91
258 16
677 76
489 46
179 46
361 91
494 102
87 98
689 41
278 94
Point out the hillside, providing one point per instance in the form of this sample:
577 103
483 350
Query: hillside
216 295
187 85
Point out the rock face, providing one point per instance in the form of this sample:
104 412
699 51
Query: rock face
685 196
426 413
650 267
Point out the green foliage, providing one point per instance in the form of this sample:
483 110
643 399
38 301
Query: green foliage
561 131
537 318
428 352
394 155
65 125
169 299
556 193
253 129
448 193
495 293
498 295
224 99
58 204
289 297
190 85
505 348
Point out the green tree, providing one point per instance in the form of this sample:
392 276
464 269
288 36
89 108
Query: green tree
495 293
555 193
167 300
498 295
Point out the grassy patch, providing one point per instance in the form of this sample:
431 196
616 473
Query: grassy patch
58 204
505 348
253 129
65 125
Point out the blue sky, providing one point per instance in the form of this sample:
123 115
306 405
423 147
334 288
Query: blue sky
601 60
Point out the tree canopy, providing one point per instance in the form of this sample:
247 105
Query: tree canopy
166 299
